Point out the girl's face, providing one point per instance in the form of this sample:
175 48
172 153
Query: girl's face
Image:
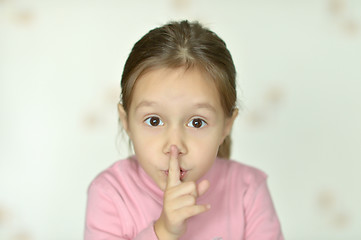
176 107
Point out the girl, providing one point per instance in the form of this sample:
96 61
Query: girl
178 105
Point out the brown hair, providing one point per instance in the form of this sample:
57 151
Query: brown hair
184 44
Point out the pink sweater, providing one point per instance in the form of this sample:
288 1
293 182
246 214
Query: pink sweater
124 203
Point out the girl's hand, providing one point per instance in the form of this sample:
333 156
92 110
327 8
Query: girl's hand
179 202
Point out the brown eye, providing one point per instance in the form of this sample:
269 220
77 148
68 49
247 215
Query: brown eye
154 121
197 123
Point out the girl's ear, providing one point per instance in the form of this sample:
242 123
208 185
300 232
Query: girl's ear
123 117
229 123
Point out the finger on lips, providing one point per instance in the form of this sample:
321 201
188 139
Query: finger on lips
174 170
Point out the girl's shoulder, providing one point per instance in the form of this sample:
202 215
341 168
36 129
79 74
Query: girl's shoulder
120 171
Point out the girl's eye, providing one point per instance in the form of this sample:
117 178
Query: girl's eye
197 123
154 121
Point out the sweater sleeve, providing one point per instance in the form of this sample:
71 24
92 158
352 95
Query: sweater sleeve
107 220
261 218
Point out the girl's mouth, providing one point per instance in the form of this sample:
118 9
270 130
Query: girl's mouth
182 174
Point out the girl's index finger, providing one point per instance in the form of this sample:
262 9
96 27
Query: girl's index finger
174 170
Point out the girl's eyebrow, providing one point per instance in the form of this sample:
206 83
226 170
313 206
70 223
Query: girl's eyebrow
146 103
205 106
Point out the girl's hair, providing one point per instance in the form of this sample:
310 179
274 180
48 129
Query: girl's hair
184 44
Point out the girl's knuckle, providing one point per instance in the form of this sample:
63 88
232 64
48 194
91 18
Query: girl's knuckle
191 200
190 211
191 186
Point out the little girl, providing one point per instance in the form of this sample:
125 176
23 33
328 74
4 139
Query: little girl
178 105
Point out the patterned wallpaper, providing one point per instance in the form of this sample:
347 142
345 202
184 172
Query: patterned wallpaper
299 81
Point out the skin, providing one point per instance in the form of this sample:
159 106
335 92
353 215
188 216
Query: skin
176 124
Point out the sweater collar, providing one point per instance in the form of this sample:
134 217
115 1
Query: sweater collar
150 186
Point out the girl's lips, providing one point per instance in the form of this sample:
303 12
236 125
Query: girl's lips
182 175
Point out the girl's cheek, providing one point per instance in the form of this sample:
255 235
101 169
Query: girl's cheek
204 135
151 134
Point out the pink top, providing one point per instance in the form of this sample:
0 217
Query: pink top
124 202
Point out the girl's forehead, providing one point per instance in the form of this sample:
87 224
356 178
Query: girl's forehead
175 77
169 85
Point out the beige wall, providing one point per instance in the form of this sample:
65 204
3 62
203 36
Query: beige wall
299 77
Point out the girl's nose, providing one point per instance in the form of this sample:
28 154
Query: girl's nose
175 136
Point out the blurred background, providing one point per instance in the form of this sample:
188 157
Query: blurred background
299 80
